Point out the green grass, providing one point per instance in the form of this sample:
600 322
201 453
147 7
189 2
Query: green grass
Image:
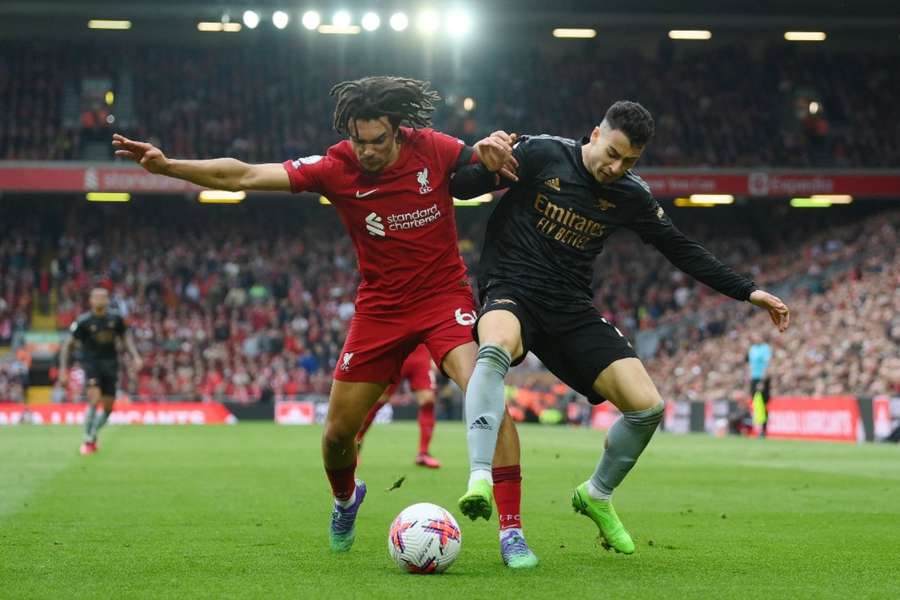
185 512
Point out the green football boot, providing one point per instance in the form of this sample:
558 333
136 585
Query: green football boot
478 501
602 513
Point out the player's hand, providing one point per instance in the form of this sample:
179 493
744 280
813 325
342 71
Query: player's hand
146 155
137 364
778 310
63 378
495 153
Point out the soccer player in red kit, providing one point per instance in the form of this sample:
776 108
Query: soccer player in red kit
390 185
417 369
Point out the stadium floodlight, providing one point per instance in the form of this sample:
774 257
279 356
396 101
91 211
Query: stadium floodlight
574 33
336 30
690 34
218 26
686 203
399 21
834 198
311 19
712 198
251 19
469 104
280 19
108 24
108 196
458 23
428 21
805 36
810 203
371 21
477 201
221 197
341 18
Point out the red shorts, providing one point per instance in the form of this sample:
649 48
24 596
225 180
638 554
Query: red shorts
377 345
417 370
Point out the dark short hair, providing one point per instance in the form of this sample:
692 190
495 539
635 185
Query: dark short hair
400 99
633 120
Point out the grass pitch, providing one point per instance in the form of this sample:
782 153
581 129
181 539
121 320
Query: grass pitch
234 512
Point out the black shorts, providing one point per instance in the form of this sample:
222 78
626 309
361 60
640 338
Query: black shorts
103 374
576 346
761 385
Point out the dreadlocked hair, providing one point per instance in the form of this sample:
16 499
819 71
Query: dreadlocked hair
400 99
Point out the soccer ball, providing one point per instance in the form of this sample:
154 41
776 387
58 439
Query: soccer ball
424 538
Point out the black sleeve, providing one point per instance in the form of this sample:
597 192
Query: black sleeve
655 227
474 179
465 158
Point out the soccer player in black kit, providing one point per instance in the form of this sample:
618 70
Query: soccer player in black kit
535 291
98 330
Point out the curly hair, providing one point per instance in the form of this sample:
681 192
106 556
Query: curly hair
633 120
400 99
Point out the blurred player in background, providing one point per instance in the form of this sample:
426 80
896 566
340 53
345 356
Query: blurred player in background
97 331
535 281
390 184
418 370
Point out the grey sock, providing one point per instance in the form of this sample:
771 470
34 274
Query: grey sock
626 439
100 421
89 422
485 405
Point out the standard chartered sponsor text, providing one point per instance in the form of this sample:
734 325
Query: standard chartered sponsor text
414 219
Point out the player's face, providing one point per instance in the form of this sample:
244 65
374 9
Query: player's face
99 300
375 143
610 154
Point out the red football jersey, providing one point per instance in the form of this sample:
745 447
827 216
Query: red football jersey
401 220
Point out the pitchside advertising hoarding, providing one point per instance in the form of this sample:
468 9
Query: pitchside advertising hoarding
137 413
824 418
830 418
308 412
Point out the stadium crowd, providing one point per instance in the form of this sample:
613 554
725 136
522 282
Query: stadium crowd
219 310
261 103
253 302
845 335
19 276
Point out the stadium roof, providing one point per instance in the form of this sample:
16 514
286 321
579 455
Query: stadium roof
645 8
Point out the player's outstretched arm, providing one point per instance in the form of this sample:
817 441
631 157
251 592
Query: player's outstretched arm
217 173
778 310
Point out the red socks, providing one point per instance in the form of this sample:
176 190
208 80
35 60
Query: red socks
426 426
368 422
342 482
508 495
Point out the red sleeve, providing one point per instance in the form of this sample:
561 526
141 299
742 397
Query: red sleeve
307 173
447 148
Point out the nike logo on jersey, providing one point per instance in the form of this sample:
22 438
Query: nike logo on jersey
553 184
363 195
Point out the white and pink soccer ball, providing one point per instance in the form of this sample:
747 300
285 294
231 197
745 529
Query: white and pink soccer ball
424 538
